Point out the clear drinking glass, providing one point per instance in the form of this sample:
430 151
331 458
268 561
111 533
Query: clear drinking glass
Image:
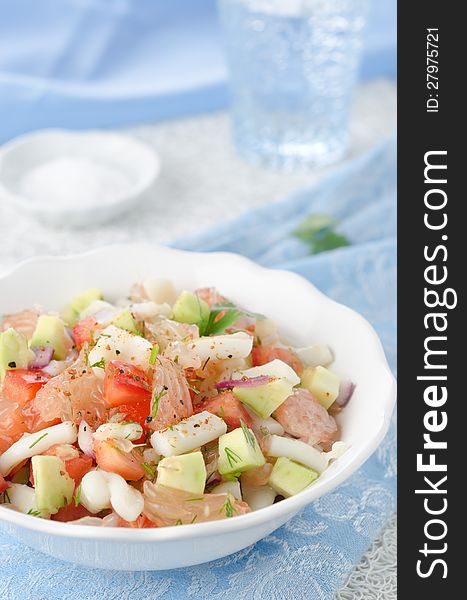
293 66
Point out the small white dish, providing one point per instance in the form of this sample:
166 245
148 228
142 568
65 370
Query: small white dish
303 314
129 164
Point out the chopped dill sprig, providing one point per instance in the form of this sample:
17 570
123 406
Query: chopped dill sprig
150 470
38 440
250 438
77 496
154 354
156 397
232 456
33 513
228 508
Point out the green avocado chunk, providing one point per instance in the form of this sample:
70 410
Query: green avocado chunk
70 313
188 308
184 472
288 477
125 320
14 351
239 451
51 331
264 399
54 487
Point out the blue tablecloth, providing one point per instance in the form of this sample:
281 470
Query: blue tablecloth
99 63
310 556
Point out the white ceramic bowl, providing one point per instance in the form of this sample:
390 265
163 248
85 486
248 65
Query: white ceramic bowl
133 161
303 314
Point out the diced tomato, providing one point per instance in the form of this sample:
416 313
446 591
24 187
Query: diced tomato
78 467
71 513
22 385
4 485
110 458
227 406
125 384
18 413
264 354
84 331
142 522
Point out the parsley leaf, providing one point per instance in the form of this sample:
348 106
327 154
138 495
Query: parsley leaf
99 364
317 230
218 322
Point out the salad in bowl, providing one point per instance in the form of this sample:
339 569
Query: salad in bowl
159 409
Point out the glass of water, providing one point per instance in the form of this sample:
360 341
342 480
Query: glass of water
293 66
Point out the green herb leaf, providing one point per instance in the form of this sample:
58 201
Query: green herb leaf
38 440
228 508
99 364
178 522
154 353
317 231
150 470
217 325
250 438
156 397
33 513
77 496
232 456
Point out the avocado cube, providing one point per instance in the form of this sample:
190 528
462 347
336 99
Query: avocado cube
188 308
125 320
51 331
288 477
184 472
322 383
70 313
239 451
14 351
54 487
83 300
264 399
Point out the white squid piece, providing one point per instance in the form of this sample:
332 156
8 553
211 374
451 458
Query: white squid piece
189 434
32 444
118 344
101 490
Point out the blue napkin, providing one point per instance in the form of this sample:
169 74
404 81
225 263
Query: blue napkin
100 63
310 557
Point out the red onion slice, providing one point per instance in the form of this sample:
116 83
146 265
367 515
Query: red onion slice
85 439
346 391
214 478
244 382
43 355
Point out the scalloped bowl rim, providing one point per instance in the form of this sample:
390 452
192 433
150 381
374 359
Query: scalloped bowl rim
289 505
